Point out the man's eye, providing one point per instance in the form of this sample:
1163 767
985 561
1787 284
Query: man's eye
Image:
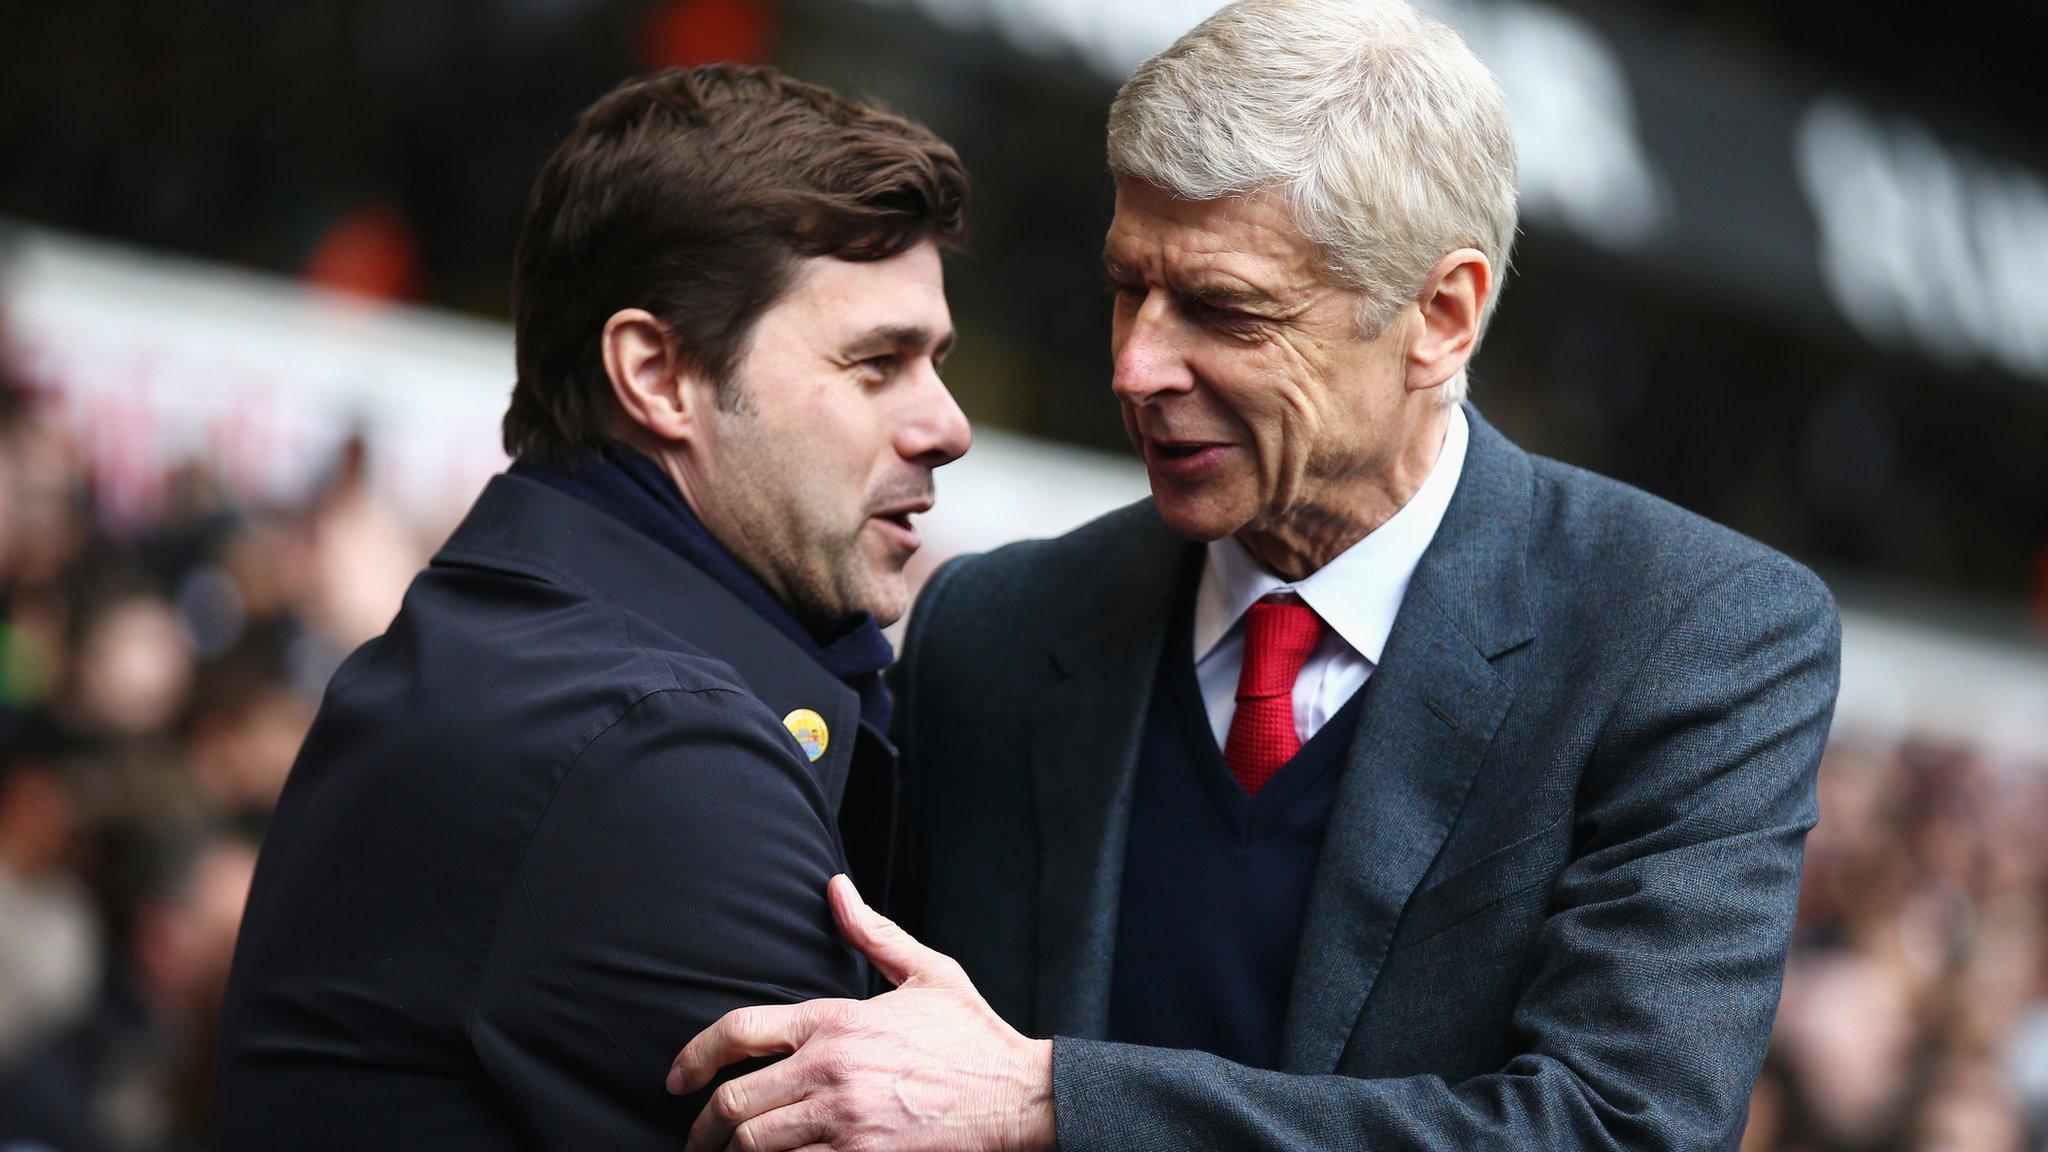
1234 325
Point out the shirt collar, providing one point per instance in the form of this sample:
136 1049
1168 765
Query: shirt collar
1359 592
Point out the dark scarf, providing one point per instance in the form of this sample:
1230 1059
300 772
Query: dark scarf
631 488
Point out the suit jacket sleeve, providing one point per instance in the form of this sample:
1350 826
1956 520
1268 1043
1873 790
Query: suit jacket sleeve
1644 1022
678 872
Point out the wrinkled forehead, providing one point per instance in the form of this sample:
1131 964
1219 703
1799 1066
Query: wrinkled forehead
1163 237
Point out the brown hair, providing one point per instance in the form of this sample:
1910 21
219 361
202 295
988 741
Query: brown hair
692 193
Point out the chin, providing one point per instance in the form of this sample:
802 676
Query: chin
886 598
1196 519
874 582
889 611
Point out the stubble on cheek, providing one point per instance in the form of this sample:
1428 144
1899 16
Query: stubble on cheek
784 528
834 561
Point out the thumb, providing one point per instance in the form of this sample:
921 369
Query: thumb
894 952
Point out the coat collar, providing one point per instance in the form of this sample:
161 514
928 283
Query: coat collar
1478 564
524 527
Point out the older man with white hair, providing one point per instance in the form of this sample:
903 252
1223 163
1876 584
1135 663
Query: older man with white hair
1375 784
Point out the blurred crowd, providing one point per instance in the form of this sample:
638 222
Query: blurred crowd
1915 1010
154 688
155 683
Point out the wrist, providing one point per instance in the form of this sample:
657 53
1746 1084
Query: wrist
1031 1127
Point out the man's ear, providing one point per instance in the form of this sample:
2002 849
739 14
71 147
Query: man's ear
657 389
1447 318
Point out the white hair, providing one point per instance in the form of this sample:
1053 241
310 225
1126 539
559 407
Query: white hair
1387 136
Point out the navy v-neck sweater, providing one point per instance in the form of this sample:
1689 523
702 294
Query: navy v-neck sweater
1215 882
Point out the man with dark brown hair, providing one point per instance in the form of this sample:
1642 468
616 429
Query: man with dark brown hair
584 795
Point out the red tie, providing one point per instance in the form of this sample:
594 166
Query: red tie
1279 633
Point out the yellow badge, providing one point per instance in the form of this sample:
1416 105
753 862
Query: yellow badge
809 729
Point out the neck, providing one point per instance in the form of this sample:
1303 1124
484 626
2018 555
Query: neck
692 482
1300 541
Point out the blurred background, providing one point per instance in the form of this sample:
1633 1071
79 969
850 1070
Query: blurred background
1786 265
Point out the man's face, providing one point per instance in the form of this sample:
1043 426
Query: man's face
812 473
1248 387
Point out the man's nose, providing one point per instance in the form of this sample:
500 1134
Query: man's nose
936 431
1149 353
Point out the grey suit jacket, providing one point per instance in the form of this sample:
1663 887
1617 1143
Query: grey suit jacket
1555 895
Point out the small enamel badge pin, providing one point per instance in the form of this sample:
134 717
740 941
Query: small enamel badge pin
809 729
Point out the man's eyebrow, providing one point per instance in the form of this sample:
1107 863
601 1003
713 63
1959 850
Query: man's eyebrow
1225 295
1214 294
887 336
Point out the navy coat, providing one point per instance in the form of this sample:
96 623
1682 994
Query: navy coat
544 830
1555 894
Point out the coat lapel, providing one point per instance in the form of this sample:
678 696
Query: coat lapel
1087 730
1430 711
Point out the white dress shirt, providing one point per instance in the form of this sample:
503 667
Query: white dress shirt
1357 595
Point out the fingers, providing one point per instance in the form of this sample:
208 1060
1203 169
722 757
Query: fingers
796 1126
893 952
756 1095
800 1125
740 1034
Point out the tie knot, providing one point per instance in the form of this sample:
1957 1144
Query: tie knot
1279 633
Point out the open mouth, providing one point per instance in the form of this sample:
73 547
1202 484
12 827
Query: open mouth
1184 460
896 523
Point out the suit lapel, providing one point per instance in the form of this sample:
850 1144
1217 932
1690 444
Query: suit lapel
1431 709
1087 730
